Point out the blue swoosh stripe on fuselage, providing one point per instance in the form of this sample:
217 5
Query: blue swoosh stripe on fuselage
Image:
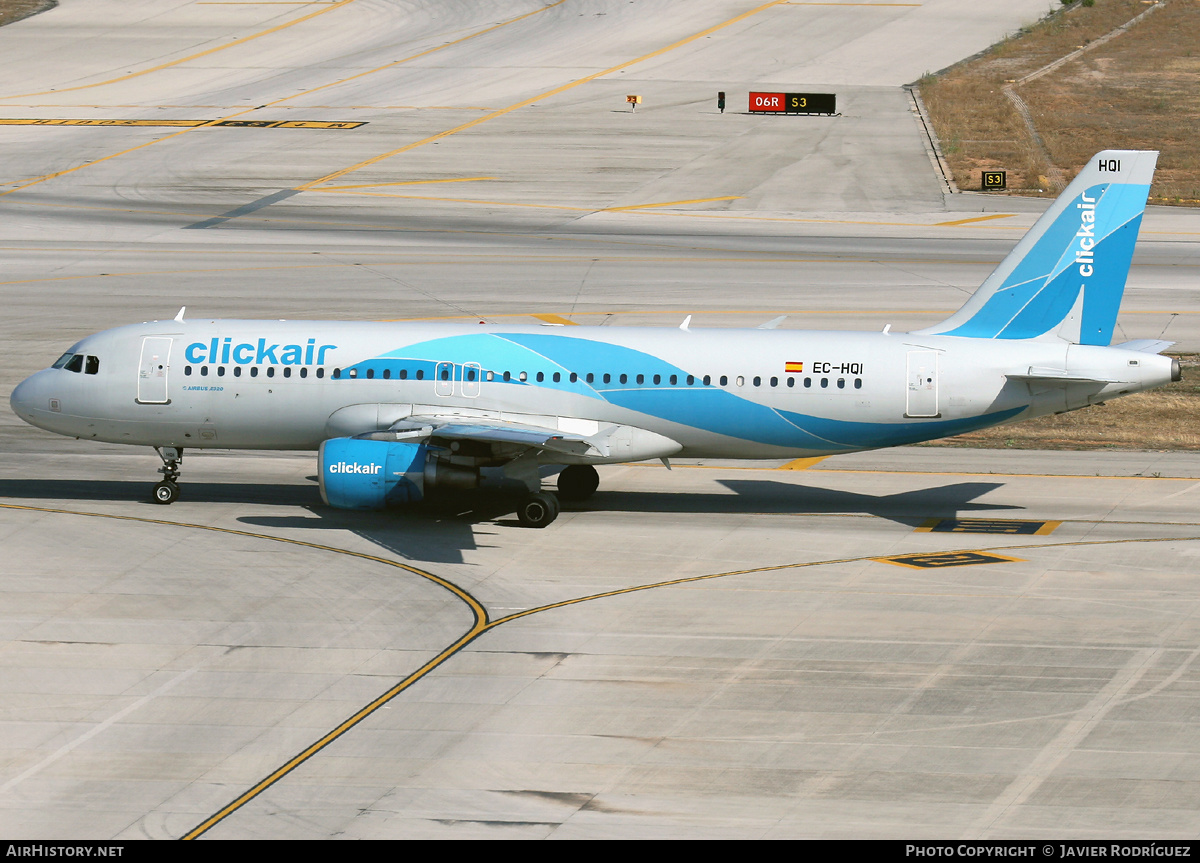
707 408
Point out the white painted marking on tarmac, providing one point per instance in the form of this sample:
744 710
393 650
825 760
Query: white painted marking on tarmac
88 735
1026 784
1191 487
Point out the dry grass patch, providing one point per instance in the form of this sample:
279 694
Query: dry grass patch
1162 419
1136 91
15 10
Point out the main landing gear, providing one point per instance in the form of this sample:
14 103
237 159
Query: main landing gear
575 482
538 510
578 482
167 491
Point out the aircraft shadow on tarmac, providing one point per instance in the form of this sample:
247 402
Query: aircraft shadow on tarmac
439 532
138 491
442 531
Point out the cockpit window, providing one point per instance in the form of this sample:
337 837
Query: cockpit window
78 363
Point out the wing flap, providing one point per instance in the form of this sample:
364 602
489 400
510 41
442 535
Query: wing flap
493 430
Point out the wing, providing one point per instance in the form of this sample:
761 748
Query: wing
491 430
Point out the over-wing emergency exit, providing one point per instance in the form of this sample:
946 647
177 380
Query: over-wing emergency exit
398 411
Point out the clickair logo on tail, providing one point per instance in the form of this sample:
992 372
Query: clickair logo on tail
1087 235
220 350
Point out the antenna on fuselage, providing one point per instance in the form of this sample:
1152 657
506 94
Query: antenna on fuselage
685 323
179 317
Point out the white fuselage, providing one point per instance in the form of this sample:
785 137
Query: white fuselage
717 393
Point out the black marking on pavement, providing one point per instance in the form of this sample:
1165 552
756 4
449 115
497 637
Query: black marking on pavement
1007 526
941 559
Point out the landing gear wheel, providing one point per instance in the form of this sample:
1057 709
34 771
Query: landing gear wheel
538 510
578 482
166 492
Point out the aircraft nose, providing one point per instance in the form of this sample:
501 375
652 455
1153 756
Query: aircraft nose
28 396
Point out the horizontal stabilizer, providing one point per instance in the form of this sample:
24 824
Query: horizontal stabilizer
1057 376
1145 346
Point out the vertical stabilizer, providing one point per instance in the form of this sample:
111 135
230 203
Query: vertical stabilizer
1064 280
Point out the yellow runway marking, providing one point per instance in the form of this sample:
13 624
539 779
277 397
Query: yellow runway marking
555 319
970 221
333 191
481 623
190 124
205 53
802 463
1012 526
405 183
356 190
392 226
944 559
24 184
544 95
669 204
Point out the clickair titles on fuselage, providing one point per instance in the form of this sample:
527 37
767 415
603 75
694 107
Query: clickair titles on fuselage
224 351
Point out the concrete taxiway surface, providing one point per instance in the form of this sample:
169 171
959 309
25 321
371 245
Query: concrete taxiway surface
912 643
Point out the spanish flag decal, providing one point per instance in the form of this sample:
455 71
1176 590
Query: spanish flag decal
789 368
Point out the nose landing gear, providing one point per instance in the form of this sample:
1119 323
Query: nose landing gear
167 491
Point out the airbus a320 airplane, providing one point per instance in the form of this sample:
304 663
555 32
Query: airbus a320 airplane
400 410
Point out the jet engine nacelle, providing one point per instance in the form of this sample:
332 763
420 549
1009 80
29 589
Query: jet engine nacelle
371 474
